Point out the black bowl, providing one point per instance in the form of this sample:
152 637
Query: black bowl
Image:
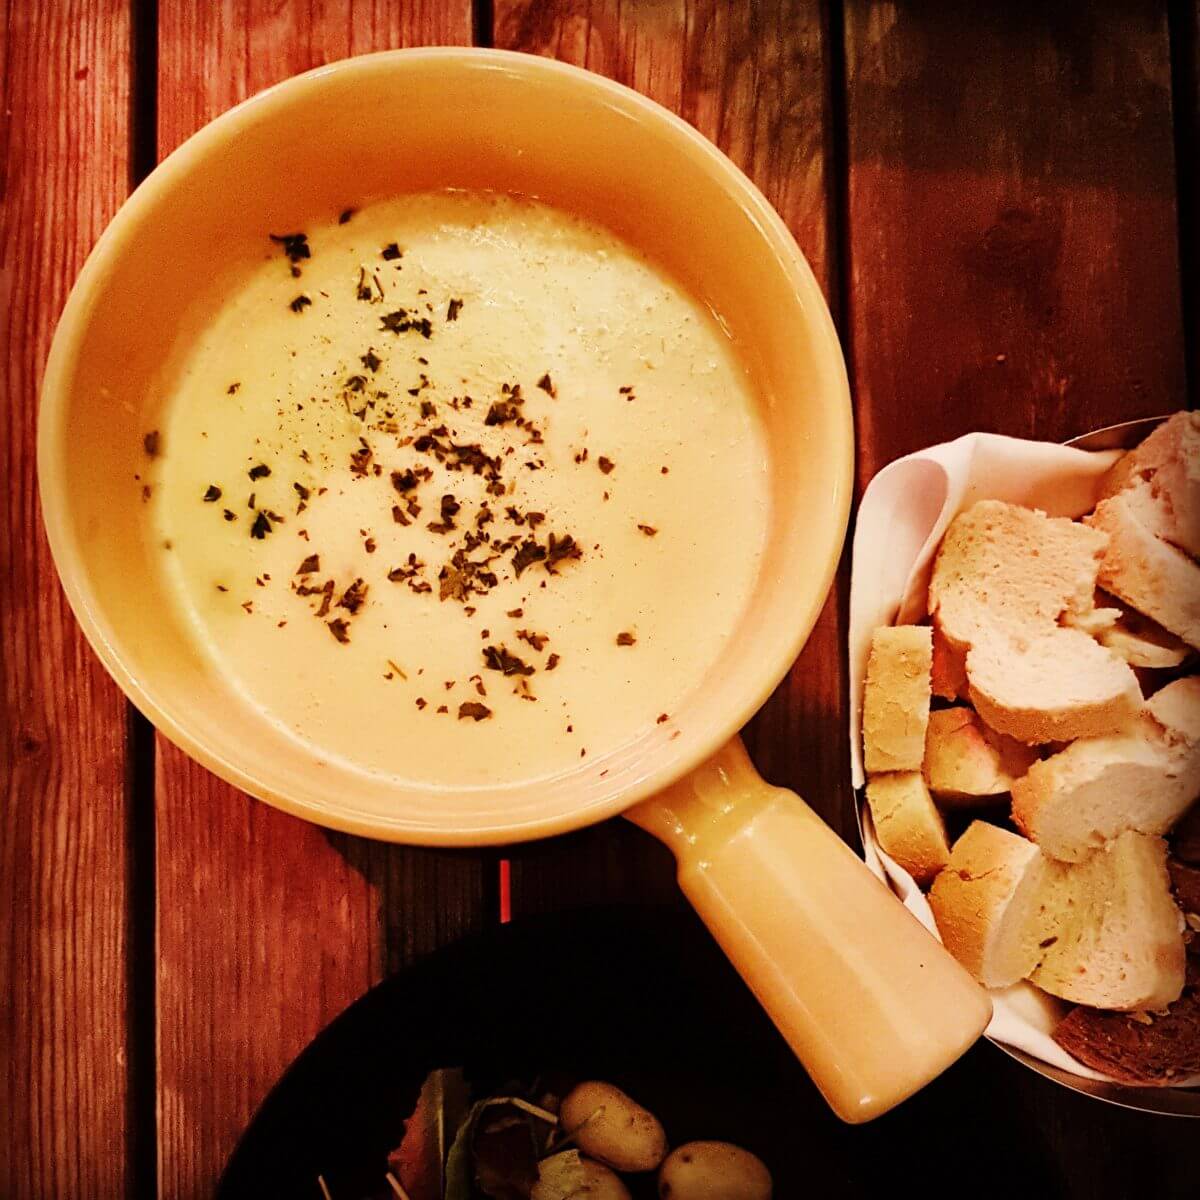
645 999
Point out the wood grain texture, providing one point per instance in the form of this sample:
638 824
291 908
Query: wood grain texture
1012 223
1014 267
753 78
216 54
267 926
64 850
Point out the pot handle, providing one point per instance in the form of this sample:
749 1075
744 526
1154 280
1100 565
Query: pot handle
872 1005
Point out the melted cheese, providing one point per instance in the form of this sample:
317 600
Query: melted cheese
542 294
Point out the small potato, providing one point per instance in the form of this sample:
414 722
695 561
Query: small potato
567 1176
608 1125
713 1171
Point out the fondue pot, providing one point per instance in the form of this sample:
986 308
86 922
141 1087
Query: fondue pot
869 1001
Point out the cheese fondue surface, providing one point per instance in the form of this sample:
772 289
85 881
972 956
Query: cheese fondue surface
460 489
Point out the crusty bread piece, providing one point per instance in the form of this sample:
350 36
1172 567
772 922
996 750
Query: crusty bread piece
1143 569
948 676
1175 440
987 903
1051 687
896 698
966 763
1142 642
1129 634
1097 788
1096 621
1003 579
1111 932
1002 568
1169 461
1176 709
1147 1050
908 824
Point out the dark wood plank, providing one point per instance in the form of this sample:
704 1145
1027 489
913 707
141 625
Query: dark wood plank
753 78
1012 226
1185 69
64 834
1014 267
268 926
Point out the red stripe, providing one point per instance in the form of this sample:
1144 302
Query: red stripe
505 891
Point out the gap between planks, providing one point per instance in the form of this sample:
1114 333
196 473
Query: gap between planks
143 930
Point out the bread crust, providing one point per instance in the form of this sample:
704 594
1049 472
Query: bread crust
1095 789
1142 1049
1169 461
968 764
1113 932
1074 802
986 903
1052 687
1144 643
907 823
1005 569
1176 710
1142 568
948 675
896 698
1003 580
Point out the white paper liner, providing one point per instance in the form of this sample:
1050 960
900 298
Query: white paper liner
903 515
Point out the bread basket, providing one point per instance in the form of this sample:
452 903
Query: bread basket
1179 1102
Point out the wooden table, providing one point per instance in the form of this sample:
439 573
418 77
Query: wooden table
1002 205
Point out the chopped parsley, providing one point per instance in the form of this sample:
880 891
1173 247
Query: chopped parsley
295 245
474 710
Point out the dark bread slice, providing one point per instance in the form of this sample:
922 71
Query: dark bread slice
1138 1048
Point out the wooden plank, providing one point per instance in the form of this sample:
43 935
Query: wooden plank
749 76
1014 267
214 55
65 856
267 926
1185 69
1012 230
752 78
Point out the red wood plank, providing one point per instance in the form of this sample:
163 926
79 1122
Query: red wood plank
64 828
214 55
267 926
753 78
1014 267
